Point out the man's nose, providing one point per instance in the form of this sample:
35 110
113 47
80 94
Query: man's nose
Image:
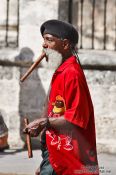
44 45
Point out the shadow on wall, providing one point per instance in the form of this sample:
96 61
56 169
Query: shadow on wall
32 93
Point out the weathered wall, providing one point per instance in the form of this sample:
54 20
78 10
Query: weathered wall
87 22
32 15
102 85
27 99
9 102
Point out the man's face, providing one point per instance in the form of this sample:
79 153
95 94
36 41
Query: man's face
52 42
53 48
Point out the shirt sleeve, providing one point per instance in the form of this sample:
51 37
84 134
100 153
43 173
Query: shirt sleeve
77 102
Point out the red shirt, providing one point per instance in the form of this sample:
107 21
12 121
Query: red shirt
72 151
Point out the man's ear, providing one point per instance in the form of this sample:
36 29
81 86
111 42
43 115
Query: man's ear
66 44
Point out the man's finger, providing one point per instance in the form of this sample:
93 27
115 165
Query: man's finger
25 131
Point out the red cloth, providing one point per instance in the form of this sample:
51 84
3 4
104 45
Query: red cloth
72 152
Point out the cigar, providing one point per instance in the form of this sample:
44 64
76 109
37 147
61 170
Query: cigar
28 140
34 65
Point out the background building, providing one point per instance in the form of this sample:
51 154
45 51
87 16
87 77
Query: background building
20 45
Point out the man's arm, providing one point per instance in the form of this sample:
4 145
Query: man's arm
60 123
35 127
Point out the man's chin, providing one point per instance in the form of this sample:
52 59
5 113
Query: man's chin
54 58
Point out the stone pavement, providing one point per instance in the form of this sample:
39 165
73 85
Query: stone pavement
17 163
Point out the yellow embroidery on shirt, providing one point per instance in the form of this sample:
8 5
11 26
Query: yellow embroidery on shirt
59 105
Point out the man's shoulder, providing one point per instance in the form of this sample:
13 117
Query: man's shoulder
73 70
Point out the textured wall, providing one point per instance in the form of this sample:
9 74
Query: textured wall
103 90
102 85
32 15
9 101
87 21
18 100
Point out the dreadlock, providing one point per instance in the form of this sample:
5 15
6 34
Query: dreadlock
75 53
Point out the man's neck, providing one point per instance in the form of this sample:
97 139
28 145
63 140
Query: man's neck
66 56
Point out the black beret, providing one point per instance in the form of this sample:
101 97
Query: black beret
60 29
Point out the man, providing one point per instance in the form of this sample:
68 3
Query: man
67 128
3 134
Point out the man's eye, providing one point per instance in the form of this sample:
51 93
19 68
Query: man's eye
50 39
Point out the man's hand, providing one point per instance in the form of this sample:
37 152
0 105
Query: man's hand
34 128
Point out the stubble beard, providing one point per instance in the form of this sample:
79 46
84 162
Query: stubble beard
54 58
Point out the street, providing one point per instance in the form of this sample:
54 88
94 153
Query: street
17 163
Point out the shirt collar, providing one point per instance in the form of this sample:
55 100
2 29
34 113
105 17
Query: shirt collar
66 63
